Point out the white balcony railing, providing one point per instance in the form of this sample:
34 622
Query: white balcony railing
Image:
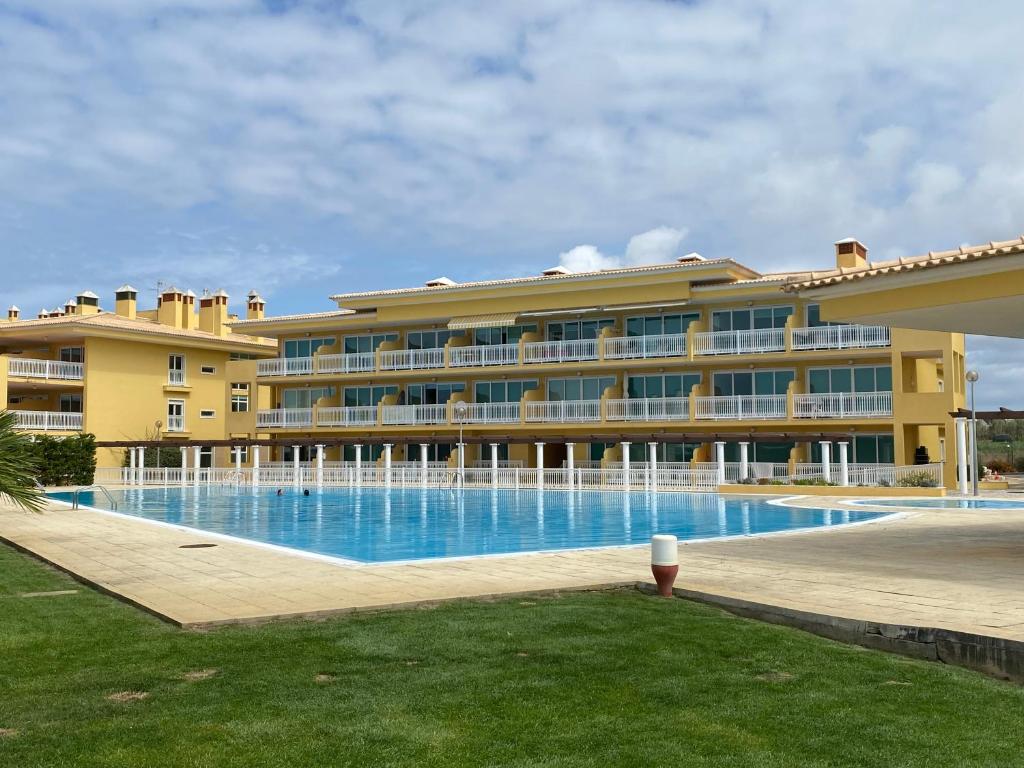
560 351
353 362
649 409
175 423
740 407
411 359
631 347
48 421
841 337
483 354
28 368
563 410
842 405
347 416
175 377
739 342
492 413
285 417
285 366
414 414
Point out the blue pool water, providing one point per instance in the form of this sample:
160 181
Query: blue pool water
945 503
380 525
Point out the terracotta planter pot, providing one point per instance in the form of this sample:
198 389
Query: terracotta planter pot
665 576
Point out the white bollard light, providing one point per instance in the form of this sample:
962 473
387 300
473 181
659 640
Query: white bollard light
664 561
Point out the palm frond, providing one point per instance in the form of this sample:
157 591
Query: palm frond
18 467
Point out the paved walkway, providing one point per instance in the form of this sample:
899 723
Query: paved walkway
959 570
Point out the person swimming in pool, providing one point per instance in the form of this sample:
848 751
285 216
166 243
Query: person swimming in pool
306 492
280 492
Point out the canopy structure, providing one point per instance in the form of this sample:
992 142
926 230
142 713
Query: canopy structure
1002 413
495 320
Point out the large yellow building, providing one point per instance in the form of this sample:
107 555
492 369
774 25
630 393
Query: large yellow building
596 367
174 373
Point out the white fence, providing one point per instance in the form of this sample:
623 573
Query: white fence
47 421
414 414
649 409
353 362
492 413
630 347
560 351
285 417
483 354
28 368
347 416
840 337
841 405
411 359
740 407
739 342
563 410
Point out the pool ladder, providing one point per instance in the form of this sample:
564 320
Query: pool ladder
74 496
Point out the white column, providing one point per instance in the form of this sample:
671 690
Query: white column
961 454
826 460
142 465
195 464
131 466
744 460
359 464
184 465
319 467
387 463
652 464
720 462
540 466
424 452
625 466
255 466
570 463
462 463
494 464
238 458
844 465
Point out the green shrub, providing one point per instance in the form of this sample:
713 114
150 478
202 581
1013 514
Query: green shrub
811 481
157 457
917 480
65 460
1018 465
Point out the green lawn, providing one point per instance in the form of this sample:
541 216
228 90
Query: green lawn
611 679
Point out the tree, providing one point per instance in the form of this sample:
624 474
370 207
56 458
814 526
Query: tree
18 466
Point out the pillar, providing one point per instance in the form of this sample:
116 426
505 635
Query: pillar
570 463
196 452
255 466
238 458
319 467
625 465
387 463
494 464
720 462
744 460
141 464
131 466
961 455
844 465
652 464
462 463
826 461
359 464
184 465
540 466
424 453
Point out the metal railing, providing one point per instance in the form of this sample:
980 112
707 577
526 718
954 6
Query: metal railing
48 421
648 409
560 351
175 378
630 347
347 416
285 417
75 494
492 413
739 342
28 368
285 366
175 423
352 362
841 405
739 407
483 354
411 359
563 410
840 337
414 414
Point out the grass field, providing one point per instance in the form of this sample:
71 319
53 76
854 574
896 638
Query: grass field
600 679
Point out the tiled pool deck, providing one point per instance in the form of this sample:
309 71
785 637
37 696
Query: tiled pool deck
959 570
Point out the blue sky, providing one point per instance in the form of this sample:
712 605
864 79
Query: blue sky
305 148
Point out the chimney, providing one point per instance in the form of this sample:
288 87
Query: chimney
56 312
851 253
171 310
189 318
70 307
87 303
126 301
44 312
254 306
13 313
213 313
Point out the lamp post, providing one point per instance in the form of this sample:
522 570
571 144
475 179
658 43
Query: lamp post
972 378
460 414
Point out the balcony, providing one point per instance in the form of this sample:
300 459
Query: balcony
285 418
353 362
175 378
740 342
567 411
741 407
347 416
484 354
414 414
48 421
411 359
27 368
560 351
285 366
644 347
840 337
492 413
175 423
649 409
843 405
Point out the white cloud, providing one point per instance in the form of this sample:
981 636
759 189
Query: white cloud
655 246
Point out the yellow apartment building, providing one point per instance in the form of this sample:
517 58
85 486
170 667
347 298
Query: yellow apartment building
175 373
694 361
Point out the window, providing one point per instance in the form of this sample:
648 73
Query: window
370 453
72 354
430 339
752 382
207 369
207 414
176 370
367 343
571 330
305 397
70 403
242 356
597 450
770 453
867 449
431 394
366 396
754 318
507 335
588 388
243 450
660 325
205 457
435 452
502 391
240 397
866 378
677 453
305 347
175 415
667 385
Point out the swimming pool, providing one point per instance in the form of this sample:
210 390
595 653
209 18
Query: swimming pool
375 525
943 503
